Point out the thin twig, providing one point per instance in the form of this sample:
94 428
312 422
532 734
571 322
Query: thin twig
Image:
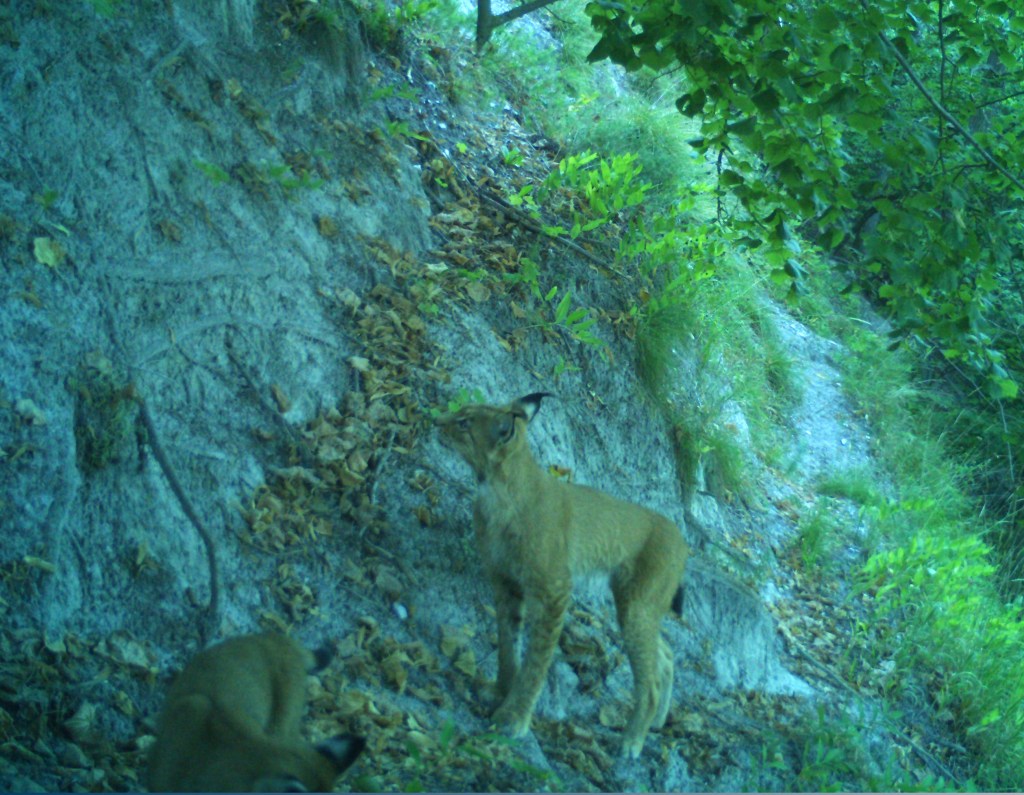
517 215
286 428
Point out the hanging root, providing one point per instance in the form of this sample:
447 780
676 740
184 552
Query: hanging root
209 625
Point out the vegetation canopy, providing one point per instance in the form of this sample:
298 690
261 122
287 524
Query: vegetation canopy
886 132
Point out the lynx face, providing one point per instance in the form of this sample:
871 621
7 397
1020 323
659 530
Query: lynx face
485 436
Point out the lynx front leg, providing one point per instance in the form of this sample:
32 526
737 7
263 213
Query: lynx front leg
546 616
508 602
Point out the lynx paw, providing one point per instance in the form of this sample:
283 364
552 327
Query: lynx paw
513 724
631 747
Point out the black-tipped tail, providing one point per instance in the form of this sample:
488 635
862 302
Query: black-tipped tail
342 750
321 657
677 602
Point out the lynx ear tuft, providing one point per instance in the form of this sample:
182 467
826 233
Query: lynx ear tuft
530 404
342 750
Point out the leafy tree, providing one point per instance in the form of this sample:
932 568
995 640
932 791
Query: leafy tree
888 132
885 131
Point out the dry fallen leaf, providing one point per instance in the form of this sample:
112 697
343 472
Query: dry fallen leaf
478 292
39 563
359 364
124 703
127 651
466 662
393 668
387 580
611 716
30 412
283 403
327 226
692 723
48 251
419 739
352 702
82 725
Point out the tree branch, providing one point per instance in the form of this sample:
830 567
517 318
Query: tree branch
522 10
949 118
1001 99
486 22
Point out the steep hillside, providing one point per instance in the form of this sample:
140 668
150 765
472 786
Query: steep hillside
240 270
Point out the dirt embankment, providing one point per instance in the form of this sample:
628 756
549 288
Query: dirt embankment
224 218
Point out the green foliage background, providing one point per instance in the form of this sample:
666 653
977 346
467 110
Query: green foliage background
889 135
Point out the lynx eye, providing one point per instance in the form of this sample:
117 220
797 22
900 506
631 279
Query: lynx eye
462 423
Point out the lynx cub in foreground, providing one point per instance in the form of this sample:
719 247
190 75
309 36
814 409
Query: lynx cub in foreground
535 533
231 724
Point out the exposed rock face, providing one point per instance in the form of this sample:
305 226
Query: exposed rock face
201 212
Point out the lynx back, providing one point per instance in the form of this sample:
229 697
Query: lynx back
231 723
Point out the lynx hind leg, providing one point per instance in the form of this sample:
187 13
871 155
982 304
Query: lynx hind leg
640 633
666 676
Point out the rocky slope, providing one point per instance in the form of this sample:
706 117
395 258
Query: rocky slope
235 284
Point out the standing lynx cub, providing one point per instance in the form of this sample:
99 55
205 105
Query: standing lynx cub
231 724
535 533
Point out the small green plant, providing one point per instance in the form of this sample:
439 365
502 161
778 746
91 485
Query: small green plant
602 188
593 191
528 274
858 485
562 367
433 762
406 92
463 397
411 11
420 764
47 198
104 414
385 22
512 157
832 755
814 531
282 174
106 8
213 172
577 322
396 129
